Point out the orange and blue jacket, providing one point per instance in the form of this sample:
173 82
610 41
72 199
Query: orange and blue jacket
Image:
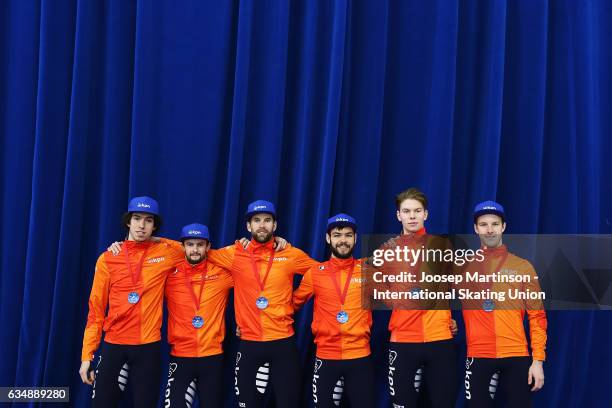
417 326
336 341
276 321
127 323
500 333
185 340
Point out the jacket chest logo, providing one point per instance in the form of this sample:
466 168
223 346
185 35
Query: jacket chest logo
276 259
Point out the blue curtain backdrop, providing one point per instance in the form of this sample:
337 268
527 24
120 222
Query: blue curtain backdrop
321 106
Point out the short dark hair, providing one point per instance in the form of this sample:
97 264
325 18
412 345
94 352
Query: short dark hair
411 194
127 217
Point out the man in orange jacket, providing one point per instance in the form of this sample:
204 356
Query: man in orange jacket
263 287
496 344
132 287
196 295
340 323
421 347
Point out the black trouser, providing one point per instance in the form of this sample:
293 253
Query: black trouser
261 362
112 373
414 367
331 377
482 376
190 375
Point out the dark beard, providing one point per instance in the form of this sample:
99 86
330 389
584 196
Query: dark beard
192 262
342 256
263 240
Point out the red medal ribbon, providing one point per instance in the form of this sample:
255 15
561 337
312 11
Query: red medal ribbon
261 283
341 295
489 258
138 272
196 300
412 241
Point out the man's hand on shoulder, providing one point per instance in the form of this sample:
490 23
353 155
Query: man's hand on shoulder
280 243
115 248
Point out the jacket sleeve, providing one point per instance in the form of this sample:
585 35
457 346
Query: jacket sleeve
376 278
223 257
176 250
98 301
304 292
302 261
537 333
228 280
537 318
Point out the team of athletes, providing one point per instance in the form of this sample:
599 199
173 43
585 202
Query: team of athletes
132 279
